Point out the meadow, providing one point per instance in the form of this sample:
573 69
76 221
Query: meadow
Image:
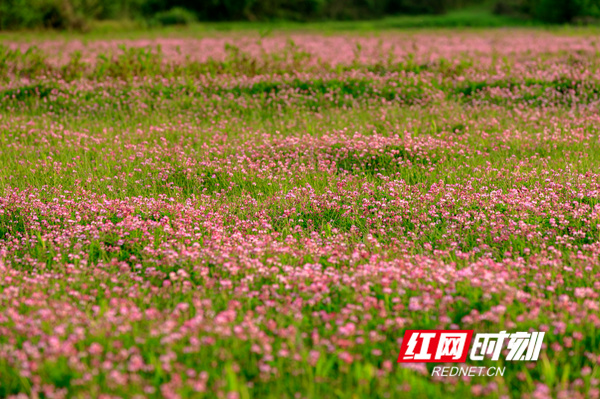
262 215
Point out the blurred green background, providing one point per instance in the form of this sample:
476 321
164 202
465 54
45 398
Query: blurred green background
83 15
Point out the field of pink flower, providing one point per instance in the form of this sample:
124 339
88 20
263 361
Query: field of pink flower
238 217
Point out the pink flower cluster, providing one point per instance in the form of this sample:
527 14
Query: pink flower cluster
219 241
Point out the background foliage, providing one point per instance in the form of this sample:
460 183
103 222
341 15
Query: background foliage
77 14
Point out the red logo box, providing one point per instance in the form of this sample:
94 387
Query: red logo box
435 346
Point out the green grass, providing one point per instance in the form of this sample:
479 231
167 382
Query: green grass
468 18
